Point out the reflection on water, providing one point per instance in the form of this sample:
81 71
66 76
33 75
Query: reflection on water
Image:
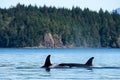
25 64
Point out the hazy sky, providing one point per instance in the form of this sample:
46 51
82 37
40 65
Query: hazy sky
91 4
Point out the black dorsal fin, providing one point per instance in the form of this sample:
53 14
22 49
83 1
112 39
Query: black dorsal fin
89 62
47 62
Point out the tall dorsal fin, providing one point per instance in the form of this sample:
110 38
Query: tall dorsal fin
89 62
47 62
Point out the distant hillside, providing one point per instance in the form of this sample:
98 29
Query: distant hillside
117 10
32 26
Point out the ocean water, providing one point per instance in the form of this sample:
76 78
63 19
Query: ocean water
25 64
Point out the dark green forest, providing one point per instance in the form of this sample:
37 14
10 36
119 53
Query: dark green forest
25 26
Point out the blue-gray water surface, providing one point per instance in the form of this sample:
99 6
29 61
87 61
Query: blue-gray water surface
25 64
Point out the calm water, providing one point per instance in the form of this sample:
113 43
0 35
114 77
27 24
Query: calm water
24 64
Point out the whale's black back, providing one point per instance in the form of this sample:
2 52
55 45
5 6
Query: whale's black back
87 64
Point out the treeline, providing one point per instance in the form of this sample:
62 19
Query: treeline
25 26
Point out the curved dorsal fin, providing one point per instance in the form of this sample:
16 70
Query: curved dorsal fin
47 62
89 62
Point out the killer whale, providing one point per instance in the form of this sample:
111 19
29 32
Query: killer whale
48 64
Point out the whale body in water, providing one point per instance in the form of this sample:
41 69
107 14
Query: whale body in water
48 64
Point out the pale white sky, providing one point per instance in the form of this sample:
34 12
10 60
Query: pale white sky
91 4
